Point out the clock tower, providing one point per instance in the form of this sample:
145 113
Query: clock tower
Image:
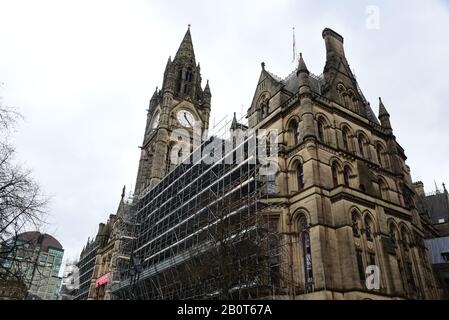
181 103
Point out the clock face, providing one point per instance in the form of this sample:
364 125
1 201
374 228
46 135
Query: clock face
185 118
155 121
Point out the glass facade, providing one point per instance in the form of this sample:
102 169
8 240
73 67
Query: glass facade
39 264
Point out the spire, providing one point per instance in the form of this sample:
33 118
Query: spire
384 116
234 122
303 75
154 97
186 48
123 192
302 65
207 88
382 110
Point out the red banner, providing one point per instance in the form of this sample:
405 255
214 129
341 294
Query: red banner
102 280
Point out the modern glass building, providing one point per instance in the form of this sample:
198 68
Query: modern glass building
37 259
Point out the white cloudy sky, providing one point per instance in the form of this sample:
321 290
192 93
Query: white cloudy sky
82 73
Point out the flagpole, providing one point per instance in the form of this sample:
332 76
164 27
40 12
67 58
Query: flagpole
294 46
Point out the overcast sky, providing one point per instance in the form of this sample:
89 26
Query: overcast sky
82 73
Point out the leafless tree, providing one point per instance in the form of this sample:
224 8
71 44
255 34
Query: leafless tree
22 205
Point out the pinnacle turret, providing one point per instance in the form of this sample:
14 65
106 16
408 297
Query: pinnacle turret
302 65
384 116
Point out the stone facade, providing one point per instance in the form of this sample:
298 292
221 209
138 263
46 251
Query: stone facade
343 193
107 260
342 179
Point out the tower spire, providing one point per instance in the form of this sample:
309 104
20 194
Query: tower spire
186 47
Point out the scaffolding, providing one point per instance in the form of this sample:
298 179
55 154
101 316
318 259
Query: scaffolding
207 231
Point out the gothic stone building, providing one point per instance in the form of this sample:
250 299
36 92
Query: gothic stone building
343 193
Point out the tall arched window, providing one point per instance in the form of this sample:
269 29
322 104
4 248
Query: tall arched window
321 130
379 153
303 229
300 176
346 176
382 189
179 82
368 229
335 175
189 75
361 142
264 107
407 261
393 233
355 217
345 139
295 132
297 135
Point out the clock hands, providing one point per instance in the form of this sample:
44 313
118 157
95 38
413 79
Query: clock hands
185 117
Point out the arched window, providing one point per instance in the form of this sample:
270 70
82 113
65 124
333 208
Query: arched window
393 233
361 142
303 229
346 176
335 175
355 217
368 229
407 261
321 130
179 81
295 132
379 153
405 240
189 75
264 107
382 189
300 176
297 135
345 139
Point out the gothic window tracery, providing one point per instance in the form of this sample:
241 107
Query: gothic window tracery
346 139
355 223
294 132
361 142
263 106
363 230
334 175
379 152
303 228
300 176
347 176
321 133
